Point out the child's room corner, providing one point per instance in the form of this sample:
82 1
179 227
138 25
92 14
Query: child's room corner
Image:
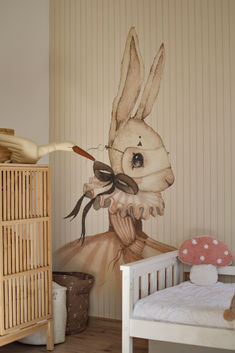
116 176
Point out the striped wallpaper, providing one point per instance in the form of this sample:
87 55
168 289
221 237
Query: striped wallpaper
194 113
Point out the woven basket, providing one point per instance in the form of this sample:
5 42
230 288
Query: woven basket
5 154
78 286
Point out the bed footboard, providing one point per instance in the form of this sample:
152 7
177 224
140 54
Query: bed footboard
142 278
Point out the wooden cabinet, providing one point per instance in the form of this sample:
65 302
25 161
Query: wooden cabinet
25 252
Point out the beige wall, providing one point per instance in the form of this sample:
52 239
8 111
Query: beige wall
194 114
24 68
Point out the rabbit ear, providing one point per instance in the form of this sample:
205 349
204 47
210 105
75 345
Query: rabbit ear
152 85
132 74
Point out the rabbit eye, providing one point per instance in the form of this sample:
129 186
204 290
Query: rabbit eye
137 160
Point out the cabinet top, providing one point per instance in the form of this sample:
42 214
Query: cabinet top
24 166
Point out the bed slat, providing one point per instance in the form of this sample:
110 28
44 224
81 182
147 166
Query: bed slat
153 282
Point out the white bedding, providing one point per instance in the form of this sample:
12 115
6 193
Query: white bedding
188 303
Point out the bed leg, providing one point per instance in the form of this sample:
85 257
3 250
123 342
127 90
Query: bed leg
50 335
127 343
127 307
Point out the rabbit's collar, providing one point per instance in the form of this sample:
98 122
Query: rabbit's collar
140 206
105 174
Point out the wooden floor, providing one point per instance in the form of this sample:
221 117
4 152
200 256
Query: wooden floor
100 336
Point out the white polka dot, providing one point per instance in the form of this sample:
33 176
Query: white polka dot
202 258
226 252
215 241
219 261
185 251
206 246
194 241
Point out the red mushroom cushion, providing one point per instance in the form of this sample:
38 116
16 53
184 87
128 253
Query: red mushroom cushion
205 250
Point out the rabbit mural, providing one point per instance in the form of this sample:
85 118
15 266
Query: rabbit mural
131 188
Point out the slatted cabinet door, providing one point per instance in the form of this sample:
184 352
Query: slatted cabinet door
25 247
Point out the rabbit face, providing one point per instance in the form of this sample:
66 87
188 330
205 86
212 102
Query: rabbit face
139 152
134 147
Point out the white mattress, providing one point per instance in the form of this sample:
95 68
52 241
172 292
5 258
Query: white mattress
188 303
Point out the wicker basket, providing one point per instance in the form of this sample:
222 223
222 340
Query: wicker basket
5 154
78 288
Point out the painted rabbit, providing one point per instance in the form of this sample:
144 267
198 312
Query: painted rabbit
137 152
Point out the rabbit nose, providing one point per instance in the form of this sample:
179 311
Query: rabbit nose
170 178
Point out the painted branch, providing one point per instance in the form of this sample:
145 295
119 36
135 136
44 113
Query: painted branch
154 244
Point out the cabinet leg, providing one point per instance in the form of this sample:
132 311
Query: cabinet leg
50 335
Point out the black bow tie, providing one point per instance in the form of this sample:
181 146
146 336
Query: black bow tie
104 173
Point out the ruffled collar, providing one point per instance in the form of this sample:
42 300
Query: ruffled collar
140 206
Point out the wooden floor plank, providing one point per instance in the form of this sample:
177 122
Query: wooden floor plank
101 336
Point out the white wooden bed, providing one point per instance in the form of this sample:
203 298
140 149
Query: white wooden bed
142 278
